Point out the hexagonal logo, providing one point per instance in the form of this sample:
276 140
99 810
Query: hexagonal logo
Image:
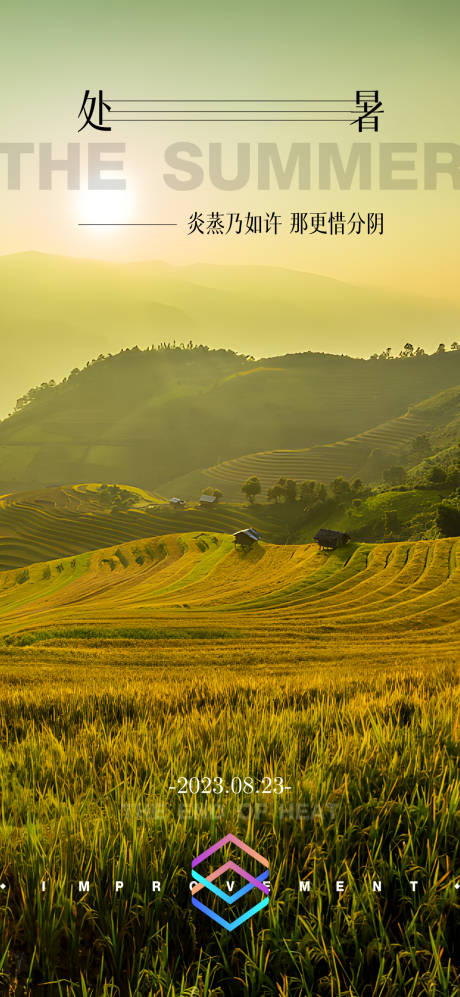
218 896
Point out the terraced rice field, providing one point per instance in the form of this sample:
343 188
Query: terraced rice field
56 522
126 667
320 463
275 598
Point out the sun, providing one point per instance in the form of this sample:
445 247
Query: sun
104 209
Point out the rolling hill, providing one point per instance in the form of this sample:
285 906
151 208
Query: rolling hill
60 311
442 413
56 522
149 416
198 588
348 458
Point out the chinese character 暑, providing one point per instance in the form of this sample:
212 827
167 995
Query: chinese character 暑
369 106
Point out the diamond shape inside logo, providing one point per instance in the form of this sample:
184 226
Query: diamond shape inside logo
253 882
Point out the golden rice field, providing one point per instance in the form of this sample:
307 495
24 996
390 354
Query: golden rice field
274 598
126 667
55 522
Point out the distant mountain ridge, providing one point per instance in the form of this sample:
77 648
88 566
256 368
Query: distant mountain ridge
57 312
147 417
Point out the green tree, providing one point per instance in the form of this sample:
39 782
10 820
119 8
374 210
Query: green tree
115 498
407 351
453 476
421 446
448 520
209 490
308 491
251 488
290 490
275 493
282 486
437 475
340 489
391 523
394 475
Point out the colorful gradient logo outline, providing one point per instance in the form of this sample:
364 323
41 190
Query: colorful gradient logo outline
253 882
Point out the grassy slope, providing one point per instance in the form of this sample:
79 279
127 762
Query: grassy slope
56 522
274 596
363 455
146 417
346 458
442 412
414 508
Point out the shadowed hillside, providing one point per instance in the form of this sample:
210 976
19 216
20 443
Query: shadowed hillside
347 458
149 416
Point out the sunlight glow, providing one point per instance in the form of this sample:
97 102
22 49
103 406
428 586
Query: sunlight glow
101 208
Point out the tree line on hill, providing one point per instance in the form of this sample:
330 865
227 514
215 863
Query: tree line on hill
433 475
442 520
410 351
165 347
307 492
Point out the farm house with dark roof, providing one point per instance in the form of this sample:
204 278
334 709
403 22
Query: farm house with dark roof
246 538
331 539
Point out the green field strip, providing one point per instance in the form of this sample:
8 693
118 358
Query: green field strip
28 593
383 563
414 604
390 584
271 593
387 564
323 577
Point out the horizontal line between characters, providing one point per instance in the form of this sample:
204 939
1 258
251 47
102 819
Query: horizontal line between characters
230 110
129 224
248 120
218 100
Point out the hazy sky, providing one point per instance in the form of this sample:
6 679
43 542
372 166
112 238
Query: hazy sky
52 52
